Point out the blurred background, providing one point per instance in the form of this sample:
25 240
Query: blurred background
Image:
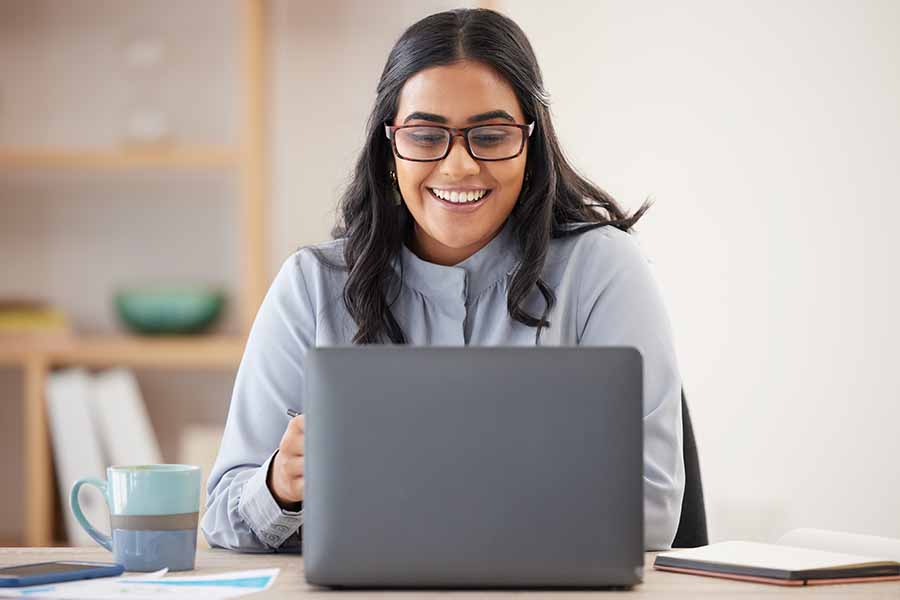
158 154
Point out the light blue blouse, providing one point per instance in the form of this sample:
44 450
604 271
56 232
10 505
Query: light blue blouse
606 295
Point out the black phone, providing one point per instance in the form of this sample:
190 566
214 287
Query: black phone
55 572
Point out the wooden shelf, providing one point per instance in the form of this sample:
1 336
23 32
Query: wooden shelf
175 157
247 160
181 352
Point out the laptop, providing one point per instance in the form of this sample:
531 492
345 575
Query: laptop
473 467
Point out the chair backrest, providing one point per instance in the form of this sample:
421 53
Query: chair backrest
692 526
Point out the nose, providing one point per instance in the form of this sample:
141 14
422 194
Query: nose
459 163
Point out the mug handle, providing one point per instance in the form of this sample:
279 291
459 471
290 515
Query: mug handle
100 538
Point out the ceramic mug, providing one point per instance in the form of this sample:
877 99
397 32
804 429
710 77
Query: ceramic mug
153 512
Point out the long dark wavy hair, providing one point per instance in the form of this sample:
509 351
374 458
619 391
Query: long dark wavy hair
553 199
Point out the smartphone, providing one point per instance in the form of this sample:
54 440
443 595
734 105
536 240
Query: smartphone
55 572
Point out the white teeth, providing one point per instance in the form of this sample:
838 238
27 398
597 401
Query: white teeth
459 197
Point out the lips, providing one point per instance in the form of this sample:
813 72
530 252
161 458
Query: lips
460 206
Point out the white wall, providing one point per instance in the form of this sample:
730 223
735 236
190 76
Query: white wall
769 134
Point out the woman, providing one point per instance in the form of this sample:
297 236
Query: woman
463 225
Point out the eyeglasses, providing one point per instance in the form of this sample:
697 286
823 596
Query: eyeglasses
425 143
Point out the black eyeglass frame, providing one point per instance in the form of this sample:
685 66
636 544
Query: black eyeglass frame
389 131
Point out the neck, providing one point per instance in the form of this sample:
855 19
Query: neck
429 249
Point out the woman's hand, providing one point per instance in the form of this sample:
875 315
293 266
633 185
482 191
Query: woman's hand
285 478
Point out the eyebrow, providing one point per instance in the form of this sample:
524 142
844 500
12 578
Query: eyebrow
493 114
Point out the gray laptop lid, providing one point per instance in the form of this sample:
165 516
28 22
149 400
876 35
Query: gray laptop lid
473 466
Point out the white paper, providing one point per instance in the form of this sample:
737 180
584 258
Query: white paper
836 541
153 585
82 585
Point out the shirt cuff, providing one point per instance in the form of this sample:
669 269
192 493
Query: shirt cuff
271 523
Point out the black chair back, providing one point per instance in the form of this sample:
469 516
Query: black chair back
692 526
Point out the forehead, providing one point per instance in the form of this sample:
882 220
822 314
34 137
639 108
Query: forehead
457 92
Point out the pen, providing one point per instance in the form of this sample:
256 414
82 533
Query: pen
292 413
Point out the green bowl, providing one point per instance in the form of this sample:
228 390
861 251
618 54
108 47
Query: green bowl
169 310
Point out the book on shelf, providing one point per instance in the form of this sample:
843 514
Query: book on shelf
22 318
76 448
123 425
96 421
800 557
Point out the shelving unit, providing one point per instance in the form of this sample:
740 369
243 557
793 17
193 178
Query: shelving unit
181 352
176 157
37 357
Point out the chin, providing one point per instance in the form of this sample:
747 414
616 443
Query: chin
456 239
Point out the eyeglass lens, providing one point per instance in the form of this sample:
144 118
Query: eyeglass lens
487 142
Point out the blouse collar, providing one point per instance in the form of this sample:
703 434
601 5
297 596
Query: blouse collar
465 280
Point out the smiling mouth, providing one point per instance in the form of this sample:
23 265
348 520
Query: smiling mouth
461 198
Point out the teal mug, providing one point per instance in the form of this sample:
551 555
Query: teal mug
153 512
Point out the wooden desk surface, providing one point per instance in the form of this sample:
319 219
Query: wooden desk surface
291 584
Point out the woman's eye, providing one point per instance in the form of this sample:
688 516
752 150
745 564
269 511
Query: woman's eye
490 139
427 140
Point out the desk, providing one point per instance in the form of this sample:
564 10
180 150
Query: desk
291 584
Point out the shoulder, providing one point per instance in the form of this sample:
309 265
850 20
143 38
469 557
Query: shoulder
606 269
314 272
598 251
312 261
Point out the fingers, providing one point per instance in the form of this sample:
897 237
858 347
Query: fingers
294 480
290 489
288 481
294 466
292 440
292 444
296 489
287 478
297 423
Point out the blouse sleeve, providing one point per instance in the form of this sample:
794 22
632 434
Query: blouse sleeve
623 306
241 513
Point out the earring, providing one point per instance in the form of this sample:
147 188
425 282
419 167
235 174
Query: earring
398 199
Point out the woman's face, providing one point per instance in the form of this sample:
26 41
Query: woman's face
459 95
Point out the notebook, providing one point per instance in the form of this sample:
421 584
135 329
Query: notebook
76 448
120 416
801 557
